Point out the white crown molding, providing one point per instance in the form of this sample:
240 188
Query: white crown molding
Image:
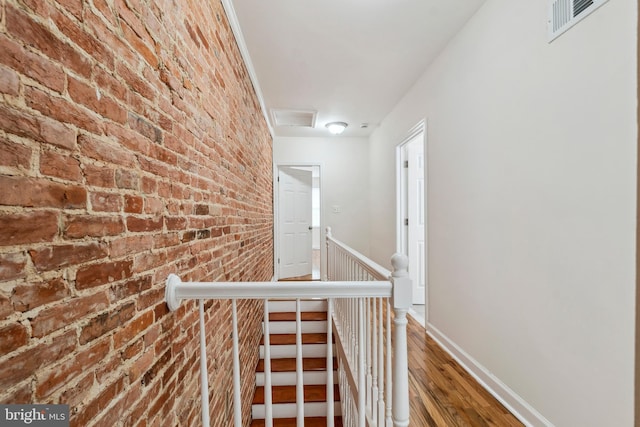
242 46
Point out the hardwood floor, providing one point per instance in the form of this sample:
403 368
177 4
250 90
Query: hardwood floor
442 393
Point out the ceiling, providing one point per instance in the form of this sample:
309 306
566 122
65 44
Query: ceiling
347 60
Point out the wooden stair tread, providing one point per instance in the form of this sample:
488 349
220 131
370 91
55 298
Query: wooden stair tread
291 422
285 339
304 316
289 364
287 394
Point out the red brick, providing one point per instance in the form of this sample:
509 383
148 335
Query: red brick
74 396
132 329
12 265
97 405
22 365
87 42
64 314
135 224
39 128
130 245
154 205
51 381
60 165
126 178
149 260
131 287
38 36
106 202
99 176
133 204
96 275
9 82
141 365
106 151
136 83
140 46
54 257
93 99
14 155
5 307
30 227
31 295
20 395
32 192
106 322
79 226
31 65
13 336
62 110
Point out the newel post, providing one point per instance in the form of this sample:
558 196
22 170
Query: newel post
401 302
330 261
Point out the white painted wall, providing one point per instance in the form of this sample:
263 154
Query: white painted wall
344 181
531 204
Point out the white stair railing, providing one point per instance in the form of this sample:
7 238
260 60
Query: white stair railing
375 390
362 297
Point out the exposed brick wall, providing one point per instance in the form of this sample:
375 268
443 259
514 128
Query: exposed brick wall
131 146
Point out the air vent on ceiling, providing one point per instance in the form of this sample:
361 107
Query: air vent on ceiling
564 14
295 118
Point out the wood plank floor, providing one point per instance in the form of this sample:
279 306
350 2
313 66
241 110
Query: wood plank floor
443 394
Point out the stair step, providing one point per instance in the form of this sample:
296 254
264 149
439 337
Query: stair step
290 305
287 394
284 339
289 327
288 351
291 316
291 422
289 364
290 410
288 378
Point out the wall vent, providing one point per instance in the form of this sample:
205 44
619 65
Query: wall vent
564 14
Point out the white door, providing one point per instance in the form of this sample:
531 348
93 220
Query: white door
294 222
416 248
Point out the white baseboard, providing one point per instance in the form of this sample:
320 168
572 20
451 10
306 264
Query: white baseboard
511 400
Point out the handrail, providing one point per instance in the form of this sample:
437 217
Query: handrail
377 271
176 290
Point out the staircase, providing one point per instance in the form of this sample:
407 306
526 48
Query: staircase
282 327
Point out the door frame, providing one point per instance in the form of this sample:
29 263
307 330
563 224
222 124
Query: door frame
401 200
276 209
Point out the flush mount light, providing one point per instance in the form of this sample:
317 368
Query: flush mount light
336 128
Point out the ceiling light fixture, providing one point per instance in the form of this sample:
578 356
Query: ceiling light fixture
336 128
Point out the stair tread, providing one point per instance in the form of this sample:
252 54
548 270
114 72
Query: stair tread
289 364
291 316
287 339
287 394
291 422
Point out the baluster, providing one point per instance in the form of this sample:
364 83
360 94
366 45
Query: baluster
374 377
267 369
361 369
369 342
237 409
381 366
388 381
330 414
204 376
299 372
